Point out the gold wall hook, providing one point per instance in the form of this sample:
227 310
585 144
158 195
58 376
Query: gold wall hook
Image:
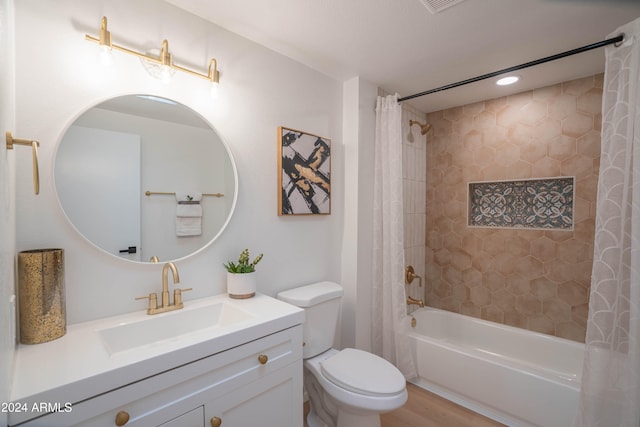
11 141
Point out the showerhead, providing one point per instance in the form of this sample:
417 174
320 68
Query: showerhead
424 128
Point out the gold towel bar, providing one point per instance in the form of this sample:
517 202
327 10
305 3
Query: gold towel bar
149 193
11 141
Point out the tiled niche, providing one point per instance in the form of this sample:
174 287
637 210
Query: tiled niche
535 279
545 204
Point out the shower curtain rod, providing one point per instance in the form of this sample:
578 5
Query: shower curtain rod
617 39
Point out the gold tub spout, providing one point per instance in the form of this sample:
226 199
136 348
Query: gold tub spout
413 301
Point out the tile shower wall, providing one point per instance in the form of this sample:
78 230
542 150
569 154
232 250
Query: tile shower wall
414 192
533 279
414 164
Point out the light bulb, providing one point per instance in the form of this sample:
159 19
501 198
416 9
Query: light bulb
105 56
165 73
215 90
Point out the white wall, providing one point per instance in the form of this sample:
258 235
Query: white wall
58 77
7 195
359 101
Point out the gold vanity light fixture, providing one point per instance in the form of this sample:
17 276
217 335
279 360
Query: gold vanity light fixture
164 60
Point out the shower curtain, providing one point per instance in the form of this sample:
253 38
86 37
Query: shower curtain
610 394
389 311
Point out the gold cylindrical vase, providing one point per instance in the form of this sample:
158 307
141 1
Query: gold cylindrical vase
41 296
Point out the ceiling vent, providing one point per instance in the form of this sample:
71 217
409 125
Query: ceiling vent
435 6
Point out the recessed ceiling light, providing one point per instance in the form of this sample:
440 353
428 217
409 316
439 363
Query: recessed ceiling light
507 80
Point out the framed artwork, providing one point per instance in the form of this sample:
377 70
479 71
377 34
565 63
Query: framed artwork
304 173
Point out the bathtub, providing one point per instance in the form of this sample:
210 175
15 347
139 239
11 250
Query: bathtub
514 376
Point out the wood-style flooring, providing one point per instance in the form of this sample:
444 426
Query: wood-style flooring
425 409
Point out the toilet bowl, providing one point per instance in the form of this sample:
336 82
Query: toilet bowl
352 388
346 388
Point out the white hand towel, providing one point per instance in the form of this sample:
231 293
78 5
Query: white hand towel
188 214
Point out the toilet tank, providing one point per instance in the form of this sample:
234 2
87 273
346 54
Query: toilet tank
321 304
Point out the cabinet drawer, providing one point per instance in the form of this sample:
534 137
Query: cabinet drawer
193 418
163 397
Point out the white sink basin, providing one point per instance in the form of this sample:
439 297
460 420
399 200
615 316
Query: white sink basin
171 326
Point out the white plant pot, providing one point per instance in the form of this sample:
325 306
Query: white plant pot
241 285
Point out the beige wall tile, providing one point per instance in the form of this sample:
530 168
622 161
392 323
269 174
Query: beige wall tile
532 279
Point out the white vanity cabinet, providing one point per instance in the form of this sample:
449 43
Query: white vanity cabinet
272 401
257 381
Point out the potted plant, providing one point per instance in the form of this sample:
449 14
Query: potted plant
241 282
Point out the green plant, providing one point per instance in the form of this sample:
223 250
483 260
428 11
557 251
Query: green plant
243 265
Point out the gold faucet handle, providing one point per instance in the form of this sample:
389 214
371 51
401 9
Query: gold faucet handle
177 295
410 274
153 300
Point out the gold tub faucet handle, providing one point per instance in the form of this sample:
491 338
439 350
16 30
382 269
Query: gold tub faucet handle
410 274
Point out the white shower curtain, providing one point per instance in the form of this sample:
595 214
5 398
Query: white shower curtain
610 394
389 311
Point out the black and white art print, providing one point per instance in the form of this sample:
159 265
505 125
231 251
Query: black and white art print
304 173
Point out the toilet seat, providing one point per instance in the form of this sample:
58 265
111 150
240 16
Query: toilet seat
356 402
363 373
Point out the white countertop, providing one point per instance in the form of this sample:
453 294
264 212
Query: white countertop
78 365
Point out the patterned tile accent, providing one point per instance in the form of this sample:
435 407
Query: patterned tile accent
536 203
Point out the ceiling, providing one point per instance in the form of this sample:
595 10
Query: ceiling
402 47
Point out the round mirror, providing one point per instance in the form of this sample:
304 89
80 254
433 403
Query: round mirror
145 178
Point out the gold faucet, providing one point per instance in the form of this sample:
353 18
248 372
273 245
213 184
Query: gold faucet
165 298
413 301
165 282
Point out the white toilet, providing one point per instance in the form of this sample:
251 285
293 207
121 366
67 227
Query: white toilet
348 388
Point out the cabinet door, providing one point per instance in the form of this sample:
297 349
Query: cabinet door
273 400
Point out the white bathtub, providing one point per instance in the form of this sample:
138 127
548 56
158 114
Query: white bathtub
514 376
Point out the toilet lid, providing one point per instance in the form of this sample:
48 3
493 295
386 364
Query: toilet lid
363 373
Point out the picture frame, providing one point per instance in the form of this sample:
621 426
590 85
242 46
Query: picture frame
304 173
